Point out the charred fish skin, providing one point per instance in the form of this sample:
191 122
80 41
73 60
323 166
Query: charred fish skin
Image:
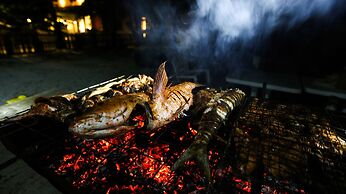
219 107
168 103
108 118
213 117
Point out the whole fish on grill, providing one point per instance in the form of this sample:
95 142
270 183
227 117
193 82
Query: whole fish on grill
170 102
109 118
215 112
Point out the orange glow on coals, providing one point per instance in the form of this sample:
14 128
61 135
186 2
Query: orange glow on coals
87 158
125 165
140 121
193 131
243 185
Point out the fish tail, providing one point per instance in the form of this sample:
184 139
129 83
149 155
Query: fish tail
160 82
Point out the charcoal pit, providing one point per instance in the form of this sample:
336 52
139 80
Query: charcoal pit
272 148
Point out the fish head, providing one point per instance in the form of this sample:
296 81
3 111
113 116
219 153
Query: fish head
112 117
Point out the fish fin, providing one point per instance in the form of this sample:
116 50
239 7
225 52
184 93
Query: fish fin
160 82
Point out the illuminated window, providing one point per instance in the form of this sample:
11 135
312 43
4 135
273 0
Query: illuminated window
88 23
75 26
70 27
81 26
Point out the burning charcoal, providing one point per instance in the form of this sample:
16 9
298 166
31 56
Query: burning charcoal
274 149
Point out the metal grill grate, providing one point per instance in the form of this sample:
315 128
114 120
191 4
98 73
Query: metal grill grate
294 144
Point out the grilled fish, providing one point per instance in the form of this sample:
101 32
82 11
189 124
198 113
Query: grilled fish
110 117
214 114
168 103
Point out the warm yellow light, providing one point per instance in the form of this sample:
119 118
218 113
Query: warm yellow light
58 20
144 23
88 24
81 26
144 35
21 49
70 27
51 28
62 3
28 20
80 2
75 26
3 50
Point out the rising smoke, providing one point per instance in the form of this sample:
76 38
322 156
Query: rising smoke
225 30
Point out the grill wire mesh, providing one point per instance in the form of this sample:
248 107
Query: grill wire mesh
290 145
273 148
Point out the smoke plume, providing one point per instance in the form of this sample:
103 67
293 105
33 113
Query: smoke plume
216 30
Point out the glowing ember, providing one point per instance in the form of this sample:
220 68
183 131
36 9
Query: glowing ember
98 161
243 185
140 121
194 132
126 164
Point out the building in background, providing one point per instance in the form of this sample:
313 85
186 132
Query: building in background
40 26
74 19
